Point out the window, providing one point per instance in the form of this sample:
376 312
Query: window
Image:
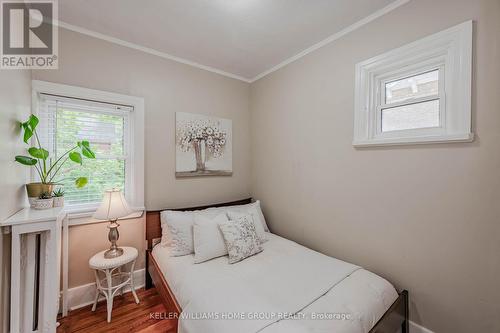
411 102
109 128
64 121
419 93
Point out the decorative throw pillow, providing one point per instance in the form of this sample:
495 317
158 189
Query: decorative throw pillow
177 232
259 228
241 239
208 239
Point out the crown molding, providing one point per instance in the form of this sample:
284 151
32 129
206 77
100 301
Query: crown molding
148 50
389 8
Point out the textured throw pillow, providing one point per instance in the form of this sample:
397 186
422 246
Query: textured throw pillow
259 228
241 239
208 239
177 232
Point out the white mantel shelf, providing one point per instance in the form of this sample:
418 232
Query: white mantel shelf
31 215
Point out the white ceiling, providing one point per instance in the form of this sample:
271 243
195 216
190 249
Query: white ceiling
241 37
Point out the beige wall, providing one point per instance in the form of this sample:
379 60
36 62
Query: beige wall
425 217
15 104
86 240
166 87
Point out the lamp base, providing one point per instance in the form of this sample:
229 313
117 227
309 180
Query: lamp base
113 253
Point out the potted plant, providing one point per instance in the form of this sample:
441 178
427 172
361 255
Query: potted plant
58 196
46 168
44 201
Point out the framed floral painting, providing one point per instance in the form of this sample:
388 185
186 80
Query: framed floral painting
203 145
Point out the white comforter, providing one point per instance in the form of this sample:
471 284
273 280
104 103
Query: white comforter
286 288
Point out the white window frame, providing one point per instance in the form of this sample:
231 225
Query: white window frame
133 136
450 52
381 105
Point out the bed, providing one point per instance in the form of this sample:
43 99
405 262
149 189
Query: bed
279 290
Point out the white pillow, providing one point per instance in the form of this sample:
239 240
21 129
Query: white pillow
259 229
251 208
241 239
180 239
208 239
177 232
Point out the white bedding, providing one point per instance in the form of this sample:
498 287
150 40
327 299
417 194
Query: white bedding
325 294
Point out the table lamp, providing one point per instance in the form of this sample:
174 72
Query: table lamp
113 207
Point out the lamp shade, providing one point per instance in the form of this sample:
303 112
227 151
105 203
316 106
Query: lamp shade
113 206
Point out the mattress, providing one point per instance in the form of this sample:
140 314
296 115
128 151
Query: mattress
303 298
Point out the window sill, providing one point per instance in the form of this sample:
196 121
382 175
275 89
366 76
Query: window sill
466 137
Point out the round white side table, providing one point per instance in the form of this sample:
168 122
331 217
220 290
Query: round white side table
110 278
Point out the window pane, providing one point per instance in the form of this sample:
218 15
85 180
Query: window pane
419 115
102 175
105 133
421 85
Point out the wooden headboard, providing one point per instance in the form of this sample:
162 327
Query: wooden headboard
153 224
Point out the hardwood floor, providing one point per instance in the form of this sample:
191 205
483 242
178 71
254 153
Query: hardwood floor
127 316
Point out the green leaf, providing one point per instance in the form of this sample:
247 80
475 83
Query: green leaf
86 151
81 182
75 157
26 160
38 153
33 122
28 133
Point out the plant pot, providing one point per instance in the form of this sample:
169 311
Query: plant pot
58 201
35 189
44 203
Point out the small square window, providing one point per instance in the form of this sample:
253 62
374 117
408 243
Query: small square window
412 102
419 93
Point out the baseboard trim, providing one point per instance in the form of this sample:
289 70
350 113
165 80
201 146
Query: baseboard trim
416 328
83 295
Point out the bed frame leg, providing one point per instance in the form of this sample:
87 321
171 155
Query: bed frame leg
149 280
405 327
